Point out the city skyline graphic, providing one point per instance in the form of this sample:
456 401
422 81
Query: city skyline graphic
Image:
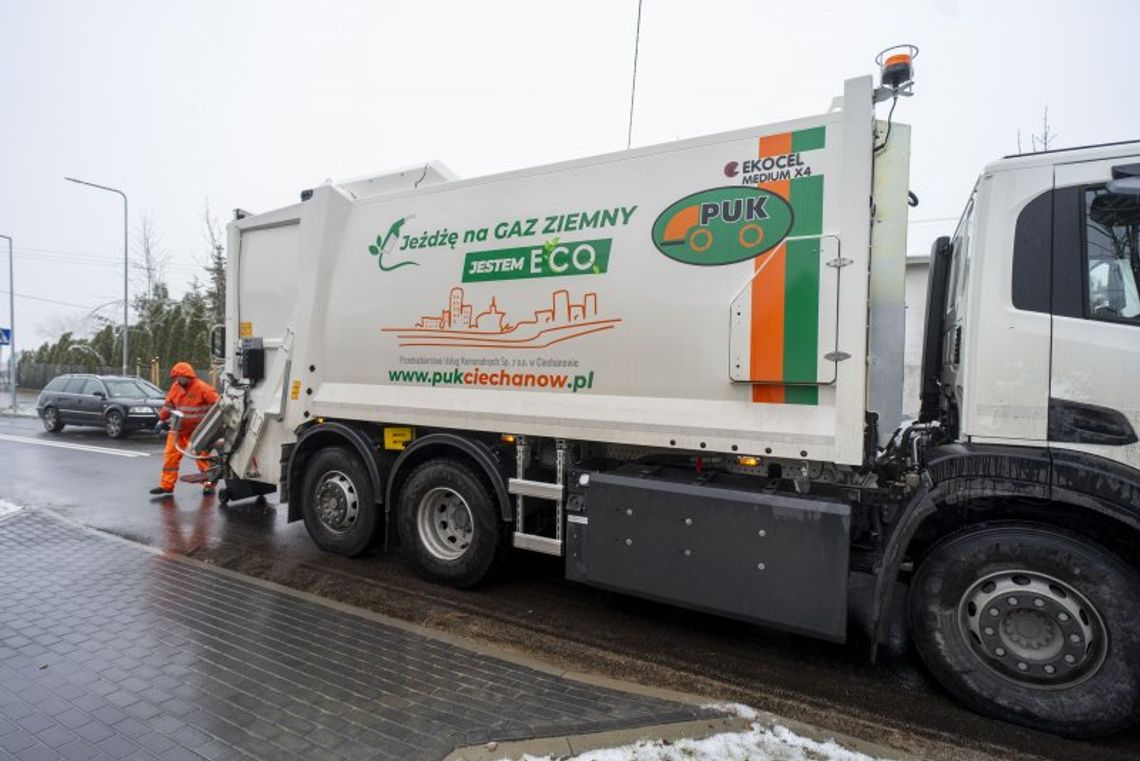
458 325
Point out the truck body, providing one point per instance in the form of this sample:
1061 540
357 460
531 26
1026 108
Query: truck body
579 277
680 369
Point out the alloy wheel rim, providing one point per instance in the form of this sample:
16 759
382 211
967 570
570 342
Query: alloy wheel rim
445 523
1033 629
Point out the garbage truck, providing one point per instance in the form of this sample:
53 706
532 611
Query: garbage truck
679 369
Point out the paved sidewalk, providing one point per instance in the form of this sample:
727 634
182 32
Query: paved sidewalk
110 651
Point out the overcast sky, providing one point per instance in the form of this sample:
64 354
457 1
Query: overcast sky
247 103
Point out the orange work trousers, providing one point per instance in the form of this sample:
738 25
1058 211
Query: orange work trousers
171 458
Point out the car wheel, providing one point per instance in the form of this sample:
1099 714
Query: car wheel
337 502
115 425
449 524
51 420
1034 625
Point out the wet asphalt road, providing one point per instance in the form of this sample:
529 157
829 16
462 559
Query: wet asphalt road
530 608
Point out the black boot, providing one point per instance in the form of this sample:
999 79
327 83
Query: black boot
159 490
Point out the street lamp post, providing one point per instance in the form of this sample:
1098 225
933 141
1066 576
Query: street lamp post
11 323
126 304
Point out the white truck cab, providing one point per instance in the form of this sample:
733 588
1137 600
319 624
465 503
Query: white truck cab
1041 334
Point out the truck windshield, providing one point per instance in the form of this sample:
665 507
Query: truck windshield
1113 255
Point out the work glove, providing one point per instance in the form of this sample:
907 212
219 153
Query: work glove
161 427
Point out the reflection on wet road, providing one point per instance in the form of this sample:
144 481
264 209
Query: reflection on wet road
182 536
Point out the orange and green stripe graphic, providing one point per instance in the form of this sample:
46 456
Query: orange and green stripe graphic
784 345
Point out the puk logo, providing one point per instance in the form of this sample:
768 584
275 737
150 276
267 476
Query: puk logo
731 169
722 225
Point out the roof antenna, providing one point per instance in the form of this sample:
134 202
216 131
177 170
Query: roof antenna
421 179
633 87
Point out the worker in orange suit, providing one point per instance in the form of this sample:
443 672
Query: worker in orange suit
193 398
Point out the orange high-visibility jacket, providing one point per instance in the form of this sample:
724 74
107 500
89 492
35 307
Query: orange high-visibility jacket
193 402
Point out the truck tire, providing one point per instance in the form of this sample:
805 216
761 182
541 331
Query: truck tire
449 525
337 503
1034 625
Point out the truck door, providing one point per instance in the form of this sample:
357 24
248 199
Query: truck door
1094 388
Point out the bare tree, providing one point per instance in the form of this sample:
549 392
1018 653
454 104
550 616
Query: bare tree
215 266
150 259
1042 141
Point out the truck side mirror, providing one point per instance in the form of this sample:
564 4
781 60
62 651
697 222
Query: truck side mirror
1125 180
218 343
1125 186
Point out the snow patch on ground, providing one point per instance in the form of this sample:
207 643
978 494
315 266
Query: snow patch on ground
738 710
8 508
761 743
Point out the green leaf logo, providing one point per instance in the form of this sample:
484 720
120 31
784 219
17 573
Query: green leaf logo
377 249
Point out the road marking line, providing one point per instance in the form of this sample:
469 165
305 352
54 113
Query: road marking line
78 447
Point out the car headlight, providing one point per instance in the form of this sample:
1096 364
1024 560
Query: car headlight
142 411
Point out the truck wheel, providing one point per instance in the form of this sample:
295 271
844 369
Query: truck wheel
449 524
1034 625
51 420
337 502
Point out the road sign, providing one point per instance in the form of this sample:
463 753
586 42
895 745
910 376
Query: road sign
5 336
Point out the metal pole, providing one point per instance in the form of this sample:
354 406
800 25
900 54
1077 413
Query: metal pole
633 87
11 323
126 303
126 271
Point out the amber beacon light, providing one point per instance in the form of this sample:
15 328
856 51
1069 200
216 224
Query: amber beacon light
896 66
